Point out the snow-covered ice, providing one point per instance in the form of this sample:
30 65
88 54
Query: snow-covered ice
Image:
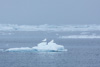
41 47
51 46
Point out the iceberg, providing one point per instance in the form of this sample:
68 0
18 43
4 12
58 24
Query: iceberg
51 46
41 47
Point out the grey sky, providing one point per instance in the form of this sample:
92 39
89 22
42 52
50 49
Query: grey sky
50 11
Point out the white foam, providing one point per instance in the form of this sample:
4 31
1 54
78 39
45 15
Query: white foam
45 27
80 36
41 47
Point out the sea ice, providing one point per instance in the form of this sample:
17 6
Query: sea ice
45 27
41 47
19 49
80 36
51 46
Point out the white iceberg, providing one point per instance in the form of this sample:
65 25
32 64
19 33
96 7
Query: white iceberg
41 47
51 46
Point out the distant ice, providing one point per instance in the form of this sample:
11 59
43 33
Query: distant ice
45 27
80 36
19 49
41 47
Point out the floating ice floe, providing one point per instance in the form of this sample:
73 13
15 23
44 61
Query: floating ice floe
41 47
19 49
80 36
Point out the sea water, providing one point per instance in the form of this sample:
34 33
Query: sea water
82 52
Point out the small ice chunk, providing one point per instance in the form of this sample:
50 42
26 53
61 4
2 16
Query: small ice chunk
19 49
51 46
41 47
44 39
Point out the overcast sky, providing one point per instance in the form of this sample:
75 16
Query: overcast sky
50 11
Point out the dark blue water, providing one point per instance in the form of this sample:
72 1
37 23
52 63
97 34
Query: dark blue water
81 52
